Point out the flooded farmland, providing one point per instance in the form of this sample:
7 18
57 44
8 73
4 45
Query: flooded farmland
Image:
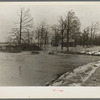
26 69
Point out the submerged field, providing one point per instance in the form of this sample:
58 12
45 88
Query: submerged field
26 69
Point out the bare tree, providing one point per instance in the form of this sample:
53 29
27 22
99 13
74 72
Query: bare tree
72 25
93 29
62 29
42 35
85 38
14 36
28 36
56 36
25 22
38 35
89 34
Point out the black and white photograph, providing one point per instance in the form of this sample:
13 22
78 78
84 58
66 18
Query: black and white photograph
49 44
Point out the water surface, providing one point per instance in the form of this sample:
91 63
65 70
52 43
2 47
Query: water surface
26 69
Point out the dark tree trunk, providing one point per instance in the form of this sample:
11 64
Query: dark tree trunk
68 41
68 36
62 42
20 28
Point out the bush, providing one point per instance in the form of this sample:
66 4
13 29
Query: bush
26 47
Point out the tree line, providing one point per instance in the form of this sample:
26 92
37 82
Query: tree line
67 29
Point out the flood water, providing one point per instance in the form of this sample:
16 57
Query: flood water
26 69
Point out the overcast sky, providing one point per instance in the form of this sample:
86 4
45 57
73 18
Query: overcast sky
88 13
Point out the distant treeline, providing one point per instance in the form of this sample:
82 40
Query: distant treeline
66 33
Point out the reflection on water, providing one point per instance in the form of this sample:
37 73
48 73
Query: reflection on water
24 69
20 71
